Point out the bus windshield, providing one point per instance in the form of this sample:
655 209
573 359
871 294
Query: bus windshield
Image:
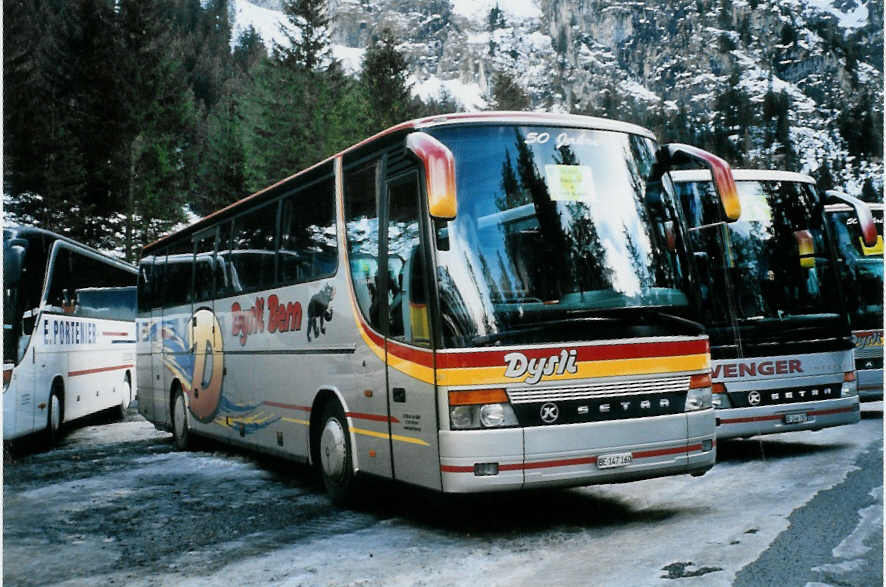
865 266
772 266
553 240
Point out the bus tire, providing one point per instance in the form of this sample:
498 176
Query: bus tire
126 399
54 415
336 463
180 430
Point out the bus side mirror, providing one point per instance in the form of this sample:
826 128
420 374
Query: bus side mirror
862 213
439 167
674 154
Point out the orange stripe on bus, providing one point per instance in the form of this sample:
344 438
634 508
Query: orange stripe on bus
99 370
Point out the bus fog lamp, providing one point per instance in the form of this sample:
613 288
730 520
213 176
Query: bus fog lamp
485 469
698 399
848 389
497 415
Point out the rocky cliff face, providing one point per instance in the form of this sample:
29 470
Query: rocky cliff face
617 58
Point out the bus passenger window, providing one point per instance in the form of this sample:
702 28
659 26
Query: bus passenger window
308 247
252 247
361 226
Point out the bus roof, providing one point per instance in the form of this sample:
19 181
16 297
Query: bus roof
743 175
454 119
13 231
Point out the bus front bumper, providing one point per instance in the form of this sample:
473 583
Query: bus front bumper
745 422
870 384
577 454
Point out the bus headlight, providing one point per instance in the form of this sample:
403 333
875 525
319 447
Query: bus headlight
698 399
699 395
497 415
850 386
482 416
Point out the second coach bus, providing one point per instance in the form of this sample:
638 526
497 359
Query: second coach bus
863 285
464 303
780 339
68 332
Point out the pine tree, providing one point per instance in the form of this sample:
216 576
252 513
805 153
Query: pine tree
385 77
307 31
507 94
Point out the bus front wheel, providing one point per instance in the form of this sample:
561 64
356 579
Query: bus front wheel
180 429
336 464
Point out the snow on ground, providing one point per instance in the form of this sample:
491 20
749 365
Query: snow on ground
611 534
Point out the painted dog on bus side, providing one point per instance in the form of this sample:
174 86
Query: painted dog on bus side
320 311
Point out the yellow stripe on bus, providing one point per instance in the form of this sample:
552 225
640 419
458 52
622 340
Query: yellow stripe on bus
589 369
296 421
385 436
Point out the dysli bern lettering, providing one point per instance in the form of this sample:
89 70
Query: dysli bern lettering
519 365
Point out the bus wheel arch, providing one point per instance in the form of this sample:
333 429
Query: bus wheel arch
331 448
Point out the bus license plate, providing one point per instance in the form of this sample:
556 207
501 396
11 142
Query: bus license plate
795 418
622 459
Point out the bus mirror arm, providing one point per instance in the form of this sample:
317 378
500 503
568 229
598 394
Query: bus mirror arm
439 168
673 154
862 213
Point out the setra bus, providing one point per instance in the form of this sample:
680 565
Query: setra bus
469 302
780 340
863 288
68 332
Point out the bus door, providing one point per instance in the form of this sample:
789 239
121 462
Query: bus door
410 373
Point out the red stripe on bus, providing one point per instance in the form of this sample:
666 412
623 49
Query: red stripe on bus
99 370
572 462
645 454
780 416
419 356
833 411
115 334
373 417
604 352
753 419
287 406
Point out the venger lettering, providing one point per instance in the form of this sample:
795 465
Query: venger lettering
519 365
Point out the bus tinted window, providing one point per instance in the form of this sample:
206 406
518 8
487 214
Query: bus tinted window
224 285
204 260
252 248
145 284
178 274
307 234
82 285
361 225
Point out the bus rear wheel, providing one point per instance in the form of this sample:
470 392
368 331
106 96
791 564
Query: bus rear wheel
180 430
336 463
126 399
54 417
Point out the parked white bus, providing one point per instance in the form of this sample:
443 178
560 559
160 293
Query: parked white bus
780 338
465 303
863 285
68 332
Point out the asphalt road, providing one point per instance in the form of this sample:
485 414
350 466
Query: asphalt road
116 504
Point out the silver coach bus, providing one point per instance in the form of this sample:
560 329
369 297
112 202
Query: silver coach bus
469 302
780 340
